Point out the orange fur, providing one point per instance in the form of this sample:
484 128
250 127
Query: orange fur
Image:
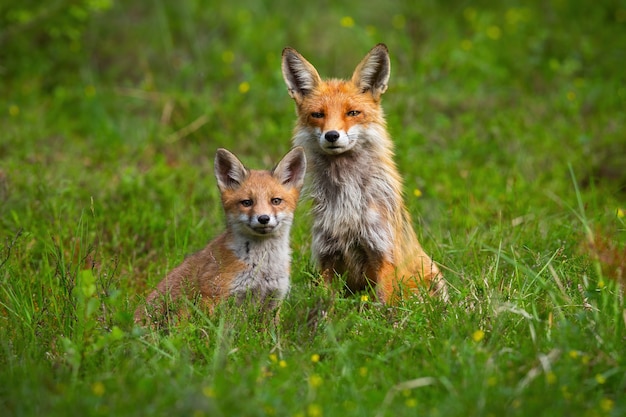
361 227
251 259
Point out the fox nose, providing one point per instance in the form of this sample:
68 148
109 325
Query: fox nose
331 136
264 219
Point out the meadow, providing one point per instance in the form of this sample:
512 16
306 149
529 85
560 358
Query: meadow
509 126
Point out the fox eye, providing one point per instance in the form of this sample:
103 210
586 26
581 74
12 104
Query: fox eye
317 115
246 203
276 201
353 113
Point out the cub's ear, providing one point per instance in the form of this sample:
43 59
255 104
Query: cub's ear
300 76
290 170
372 73
229 171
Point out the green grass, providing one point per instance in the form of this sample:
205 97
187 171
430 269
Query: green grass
508 119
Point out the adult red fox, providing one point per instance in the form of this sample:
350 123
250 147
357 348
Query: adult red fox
361 227
252 258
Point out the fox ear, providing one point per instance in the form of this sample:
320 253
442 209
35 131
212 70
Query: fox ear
300 76
290 170
372 73
229 171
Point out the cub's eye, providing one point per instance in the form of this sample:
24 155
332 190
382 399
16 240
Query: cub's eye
317 115
276 201
353 113
246 203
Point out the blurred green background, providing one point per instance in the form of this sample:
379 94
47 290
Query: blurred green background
515 89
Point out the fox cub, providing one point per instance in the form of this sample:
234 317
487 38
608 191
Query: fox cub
361 227
252 258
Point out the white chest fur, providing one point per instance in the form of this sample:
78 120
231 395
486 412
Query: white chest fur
266 275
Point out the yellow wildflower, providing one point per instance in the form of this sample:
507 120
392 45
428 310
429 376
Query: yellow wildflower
244 87
228 57
606 404
478 335
566 393
98 389
347 22
571 95
208 392
314 410
315 381
494 32
470 14
90 91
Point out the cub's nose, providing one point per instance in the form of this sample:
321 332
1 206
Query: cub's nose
331 136
264 219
